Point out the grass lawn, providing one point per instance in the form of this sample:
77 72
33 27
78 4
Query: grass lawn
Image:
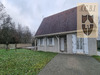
23 62
96 57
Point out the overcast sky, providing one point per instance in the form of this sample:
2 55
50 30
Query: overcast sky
31 12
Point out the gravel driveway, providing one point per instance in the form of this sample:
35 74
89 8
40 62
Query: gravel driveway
67 64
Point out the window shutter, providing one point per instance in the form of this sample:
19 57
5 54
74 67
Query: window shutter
47 41
53 41
86 45
74 43
43 42
38 42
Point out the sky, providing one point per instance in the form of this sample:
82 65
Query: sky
31 12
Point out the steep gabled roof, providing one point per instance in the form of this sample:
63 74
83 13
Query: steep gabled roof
61 22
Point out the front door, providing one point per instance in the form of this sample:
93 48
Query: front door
62 44
80 45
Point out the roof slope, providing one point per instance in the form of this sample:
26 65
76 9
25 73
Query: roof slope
61 22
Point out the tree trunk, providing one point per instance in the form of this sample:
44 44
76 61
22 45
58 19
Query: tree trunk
6 47
15 46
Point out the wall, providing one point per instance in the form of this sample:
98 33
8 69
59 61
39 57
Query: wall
23 45
46 47
2 46
12 46
69 43
55 47
92 46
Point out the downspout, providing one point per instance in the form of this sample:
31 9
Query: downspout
45 44
58 43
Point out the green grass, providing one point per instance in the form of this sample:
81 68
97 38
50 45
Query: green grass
23 62
96 57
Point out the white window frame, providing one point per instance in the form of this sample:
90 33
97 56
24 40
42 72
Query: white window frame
41 42
49 42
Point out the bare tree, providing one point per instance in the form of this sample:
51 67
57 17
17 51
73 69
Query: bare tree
6 32
24 34
2 12
3 15
27 36
20 33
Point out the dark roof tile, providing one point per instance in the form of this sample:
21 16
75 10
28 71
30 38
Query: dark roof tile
61 22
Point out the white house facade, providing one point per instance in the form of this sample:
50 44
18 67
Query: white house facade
58 33
68 43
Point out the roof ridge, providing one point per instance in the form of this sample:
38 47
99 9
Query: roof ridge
61 12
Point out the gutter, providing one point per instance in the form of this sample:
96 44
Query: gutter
55 34
58 43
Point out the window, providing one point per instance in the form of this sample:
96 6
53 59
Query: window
38 42
79 43
50 41
41 41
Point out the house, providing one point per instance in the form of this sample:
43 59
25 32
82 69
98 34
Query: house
58 33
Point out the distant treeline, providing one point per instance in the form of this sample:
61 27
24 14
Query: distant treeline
11 33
